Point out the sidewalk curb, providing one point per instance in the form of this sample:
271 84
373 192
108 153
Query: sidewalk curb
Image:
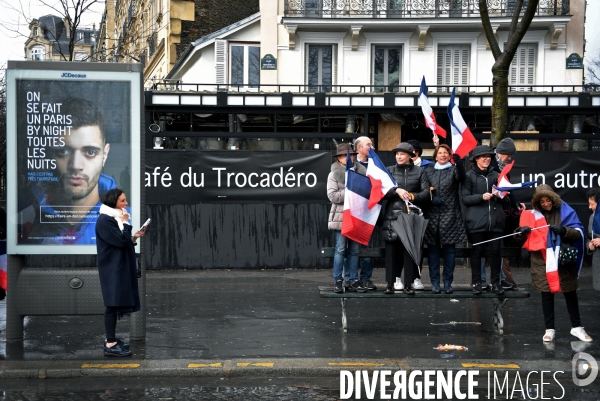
297 367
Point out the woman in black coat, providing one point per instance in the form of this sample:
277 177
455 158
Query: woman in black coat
116 267
446 227
484 216
412 185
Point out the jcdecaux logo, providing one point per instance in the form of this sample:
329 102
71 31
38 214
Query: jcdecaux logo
72 75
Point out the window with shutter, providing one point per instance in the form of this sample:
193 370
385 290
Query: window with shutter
453 66
522 67
244 66
221 61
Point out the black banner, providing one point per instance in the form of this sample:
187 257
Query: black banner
191 177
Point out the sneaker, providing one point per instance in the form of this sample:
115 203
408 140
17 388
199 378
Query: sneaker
121 342
579 346
580 333
357 286
506 285
398 285
418 284
549 335
497 289
389 289
477 289
369 285
116 350
485 287
339 287
435 289
409 290
448 289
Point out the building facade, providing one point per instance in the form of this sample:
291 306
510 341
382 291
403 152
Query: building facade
49 38
302 76
154 32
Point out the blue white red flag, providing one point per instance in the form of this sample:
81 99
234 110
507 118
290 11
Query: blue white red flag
463 140
504 186
428 111
358 220
544 240
381 179
3 275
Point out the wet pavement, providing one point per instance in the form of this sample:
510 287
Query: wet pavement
272 323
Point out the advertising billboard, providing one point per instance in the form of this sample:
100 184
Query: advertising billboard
73 133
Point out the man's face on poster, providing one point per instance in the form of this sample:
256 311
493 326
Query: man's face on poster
80 161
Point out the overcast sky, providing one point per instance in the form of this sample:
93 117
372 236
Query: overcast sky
13 20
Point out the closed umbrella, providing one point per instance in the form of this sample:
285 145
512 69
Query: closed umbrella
410 228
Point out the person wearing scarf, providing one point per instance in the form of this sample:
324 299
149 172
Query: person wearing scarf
484 216
116 267
446 226
547 276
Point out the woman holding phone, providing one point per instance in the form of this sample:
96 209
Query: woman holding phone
116 267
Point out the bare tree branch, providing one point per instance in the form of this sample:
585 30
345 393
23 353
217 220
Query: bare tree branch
487 28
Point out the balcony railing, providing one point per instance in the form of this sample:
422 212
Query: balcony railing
413 8
152 44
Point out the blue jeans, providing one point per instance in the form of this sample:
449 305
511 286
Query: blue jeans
345 260
483 275
366 269
449 255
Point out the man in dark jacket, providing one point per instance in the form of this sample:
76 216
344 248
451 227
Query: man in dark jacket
413 186
504 153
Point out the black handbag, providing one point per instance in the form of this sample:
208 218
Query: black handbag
567 254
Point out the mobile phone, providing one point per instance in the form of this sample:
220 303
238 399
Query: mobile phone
145 224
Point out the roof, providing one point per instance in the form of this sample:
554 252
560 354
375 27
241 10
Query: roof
208 39
55 32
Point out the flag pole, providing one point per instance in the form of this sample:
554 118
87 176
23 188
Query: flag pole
508 235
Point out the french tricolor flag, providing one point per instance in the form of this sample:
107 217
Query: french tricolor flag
504 186
463 140
544 240
3 274
358 220
381 179
428 111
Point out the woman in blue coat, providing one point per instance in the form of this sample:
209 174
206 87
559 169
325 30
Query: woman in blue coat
117 267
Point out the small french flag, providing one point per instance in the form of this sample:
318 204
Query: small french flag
381 179
504 186
463 140
428 111
358 220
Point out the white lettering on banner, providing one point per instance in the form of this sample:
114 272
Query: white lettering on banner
566 180
276 180
191 179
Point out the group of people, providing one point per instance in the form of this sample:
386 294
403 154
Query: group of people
459 206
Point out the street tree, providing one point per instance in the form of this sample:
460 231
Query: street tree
518 26
70 11
593 70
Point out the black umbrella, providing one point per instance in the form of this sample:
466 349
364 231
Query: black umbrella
410 228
